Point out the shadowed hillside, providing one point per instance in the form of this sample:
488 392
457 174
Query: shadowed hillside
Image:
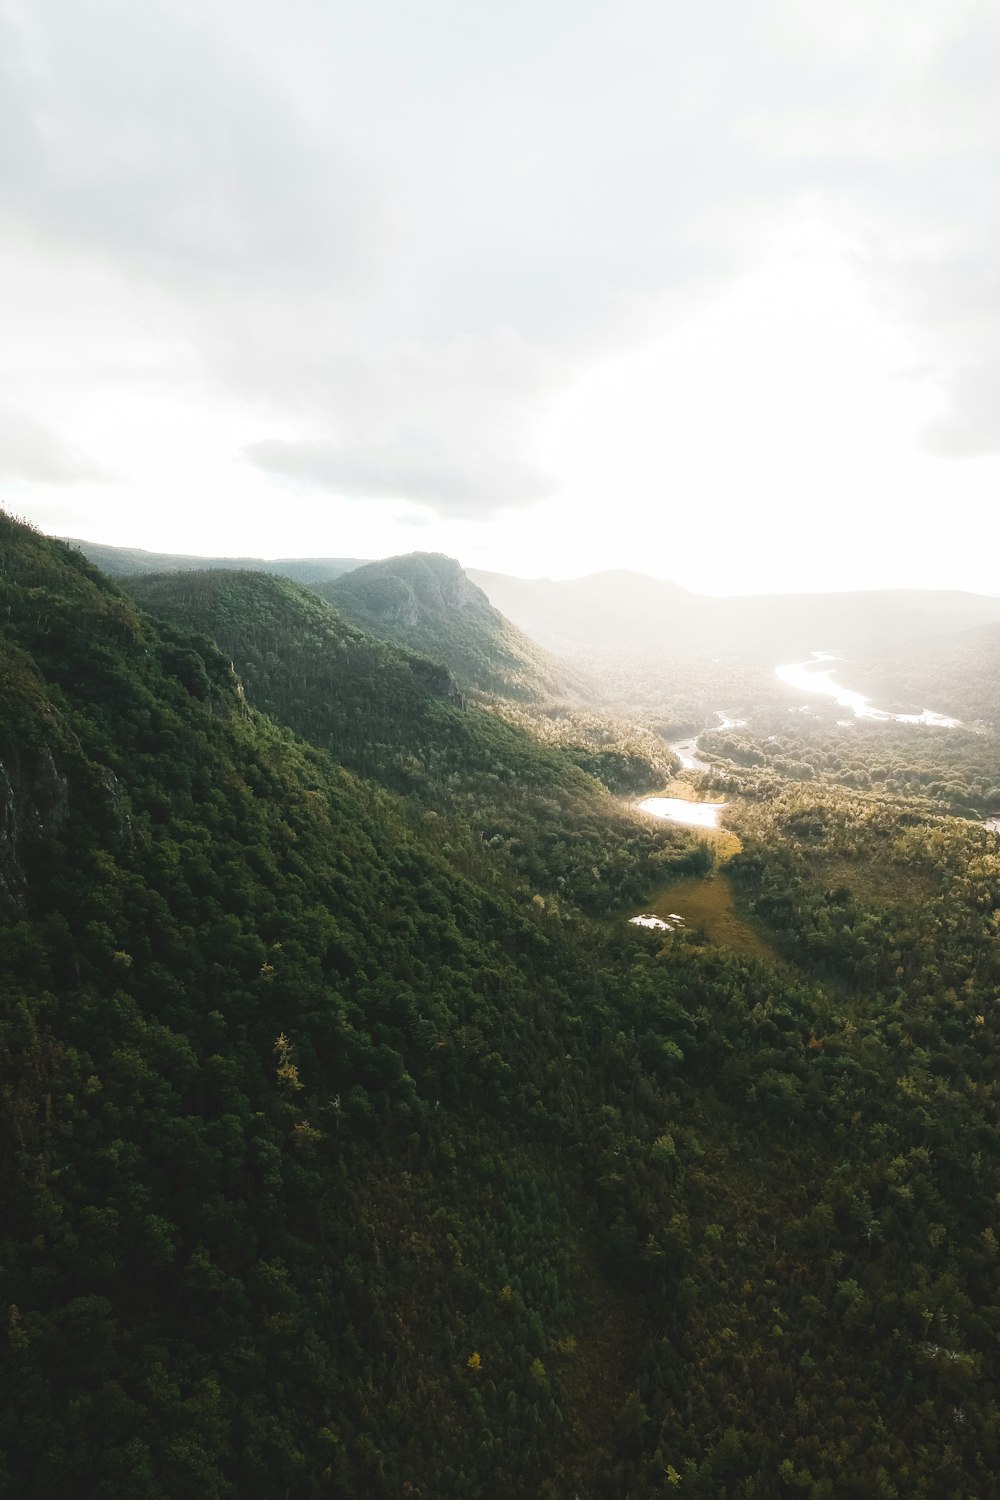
399 718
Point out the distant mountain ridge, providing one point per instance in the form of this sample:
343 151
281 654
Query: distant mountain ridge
619 612
123 561
370 674
615 614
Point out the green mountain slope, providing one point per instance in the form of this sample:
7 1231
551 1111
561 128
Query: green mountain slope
424 600
246 1002
395 716
333 1163
304 664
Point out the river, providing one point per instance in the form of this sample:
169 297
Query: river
687 750
812 677
809 676
708 903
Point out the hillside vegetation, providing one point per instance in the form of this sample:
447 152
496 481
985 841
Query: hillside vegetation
340 1159
426 601
399 718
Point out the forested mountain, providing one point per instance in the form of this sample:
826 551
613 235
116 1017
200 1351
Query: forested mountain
302 662
624 614
399 718
343 1155
426 601
607 624
267 1037
124 561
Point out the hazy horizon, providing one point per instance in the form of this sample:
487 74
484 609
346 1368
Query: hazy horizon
472 568
705 293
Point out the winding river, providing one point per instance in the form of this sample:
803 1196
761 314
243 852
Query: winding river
813 677
708 904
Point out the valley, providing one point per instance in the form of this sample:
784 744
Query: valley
357 1141
499 751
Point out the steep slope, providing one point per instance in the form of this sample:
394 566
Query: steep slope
332 1163
307 666
397 717
426 601
126 561
246 1003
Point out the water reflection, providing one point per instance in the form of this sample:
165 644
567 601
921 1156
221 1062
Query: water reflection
686 751
811 677
649 920
679 810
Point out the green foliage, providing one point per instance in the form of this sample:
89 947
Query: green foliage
124 562
333 1163
426 602
954 771
499 775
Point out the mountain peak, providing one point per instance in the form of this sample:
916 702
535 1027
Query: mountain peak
400 588
426 601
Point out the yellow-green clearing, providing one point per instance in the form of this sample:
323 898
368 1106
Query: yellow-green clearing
706 904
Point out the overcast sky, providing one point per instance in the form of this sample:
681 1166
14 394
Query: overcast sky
711 290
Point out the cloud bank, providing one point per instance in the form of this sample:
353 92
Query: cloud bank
396 234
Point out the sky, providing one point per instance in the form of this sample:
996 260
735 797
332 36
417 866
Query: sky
708 291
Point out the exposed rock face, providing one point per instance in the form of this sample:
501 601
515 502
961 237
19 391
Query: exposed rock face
426 602
431 583
119 806
34 802
9 870
49 805
438 680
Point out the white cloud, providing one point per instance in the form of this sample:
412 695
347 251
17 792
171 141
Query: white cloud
31 451
380 244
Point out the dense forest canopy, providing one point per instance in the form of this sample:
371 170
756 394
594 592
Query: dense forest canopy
354 1142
